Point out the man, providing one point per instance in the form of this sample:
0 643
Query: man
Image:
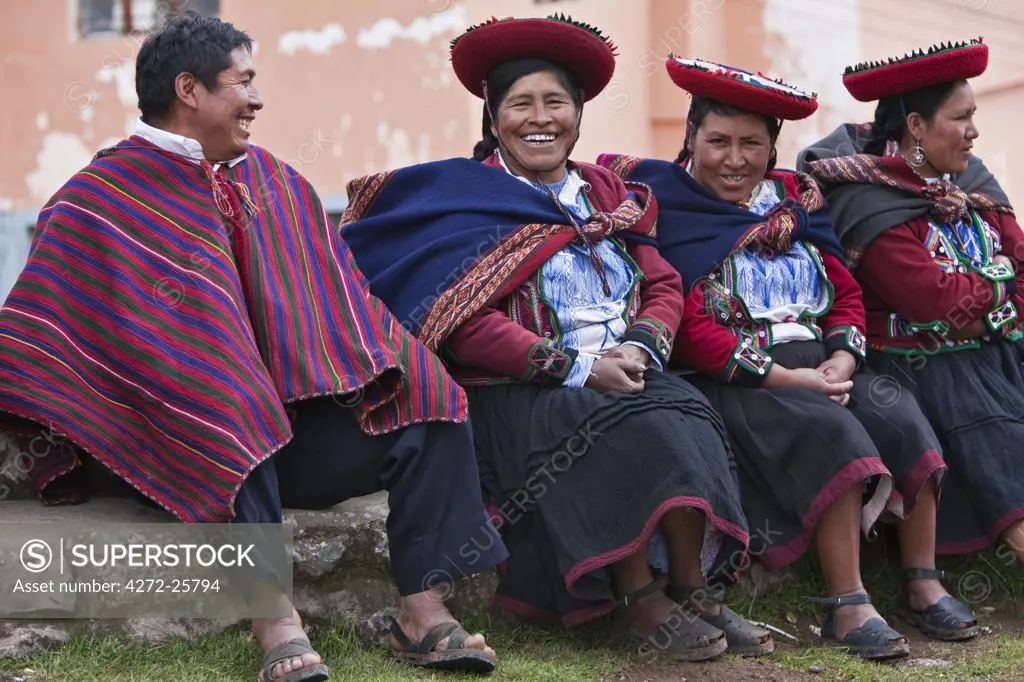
182 290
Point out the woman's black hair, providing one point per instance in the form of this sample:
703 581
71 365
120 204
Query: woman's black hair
501 80
700 107
891 113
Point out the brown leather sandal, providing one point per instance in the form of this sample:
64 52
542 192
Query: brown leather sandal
455 657
283 652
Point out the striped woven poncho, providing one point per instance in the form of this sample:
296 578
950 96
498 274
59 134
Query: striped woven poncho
162 326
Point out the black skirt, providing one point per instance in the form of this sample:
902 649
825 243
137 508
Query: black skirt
975 401
577 480
797 452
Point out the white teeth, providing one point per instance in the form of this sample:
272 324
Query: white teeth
539 138
244 124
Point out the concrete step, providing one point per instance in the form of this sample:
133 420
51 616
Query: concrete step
340 562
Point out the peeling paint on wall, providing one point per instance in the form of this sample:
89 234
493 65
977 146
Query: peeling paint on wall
123 75
61 156
810 50
318 42
450 128
398 148
422 30
440 74
87 116
343 129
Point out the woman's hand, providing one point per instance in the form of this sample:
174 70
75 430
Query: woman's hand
1005 260
838 368
631 352
810 379
971 331
616 373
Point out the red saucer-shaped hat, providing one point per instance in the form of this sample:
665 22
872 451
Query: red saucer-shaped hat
942 63
744 90
580 48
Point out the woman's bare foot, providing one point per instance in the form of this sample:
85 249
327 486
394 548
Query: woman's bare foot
651 612
924 593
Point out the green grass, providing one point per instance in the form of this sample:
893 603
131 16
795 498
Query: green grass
986 579
526 653
997 657
531 652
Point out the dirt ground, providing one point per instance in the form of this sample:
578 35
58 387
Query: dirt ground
720 671
924 652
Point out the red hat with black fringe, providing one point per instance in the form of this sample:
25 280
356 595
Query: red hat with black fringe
580 48
942 63
753 92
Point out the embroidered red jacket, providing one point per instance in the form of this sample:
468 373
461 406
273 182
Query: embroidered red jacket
722 342
916 290
515 339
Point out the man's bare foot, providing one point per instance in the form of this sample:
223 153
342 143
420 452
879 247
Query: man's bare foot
419 613
272 632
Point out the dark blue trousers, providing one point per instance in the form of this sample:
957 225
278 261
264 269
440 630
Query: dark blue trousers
437 528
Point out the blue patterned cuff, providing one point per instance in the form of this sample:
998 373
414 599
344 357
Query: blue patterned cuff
580 372
655 359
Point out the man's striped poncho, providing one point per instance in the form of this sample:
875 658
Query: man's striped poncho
166 340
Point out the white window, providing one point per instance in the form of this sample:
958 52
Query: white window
120 17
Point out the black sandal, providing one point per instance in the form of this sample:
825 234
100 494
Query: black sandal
947 619
872 641
743 637
283 652
683 636
455 657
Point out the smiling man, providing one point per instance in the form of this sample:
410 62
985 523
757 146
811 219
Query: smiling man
189 318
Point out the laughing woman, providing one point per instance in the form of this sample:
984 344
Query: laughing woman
537 279
933 241
773 327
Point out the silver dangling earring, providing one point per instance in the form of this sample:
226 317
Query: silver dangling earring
916 155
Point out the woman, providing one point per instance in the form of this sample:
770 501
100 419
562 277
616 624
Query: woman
773 329
537 279
933 241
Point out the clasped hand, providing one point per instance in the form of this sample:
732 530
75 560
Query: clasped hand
620 370
831 378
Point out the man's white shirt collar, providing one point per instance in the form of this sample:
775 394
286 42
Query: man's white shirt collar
177 144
